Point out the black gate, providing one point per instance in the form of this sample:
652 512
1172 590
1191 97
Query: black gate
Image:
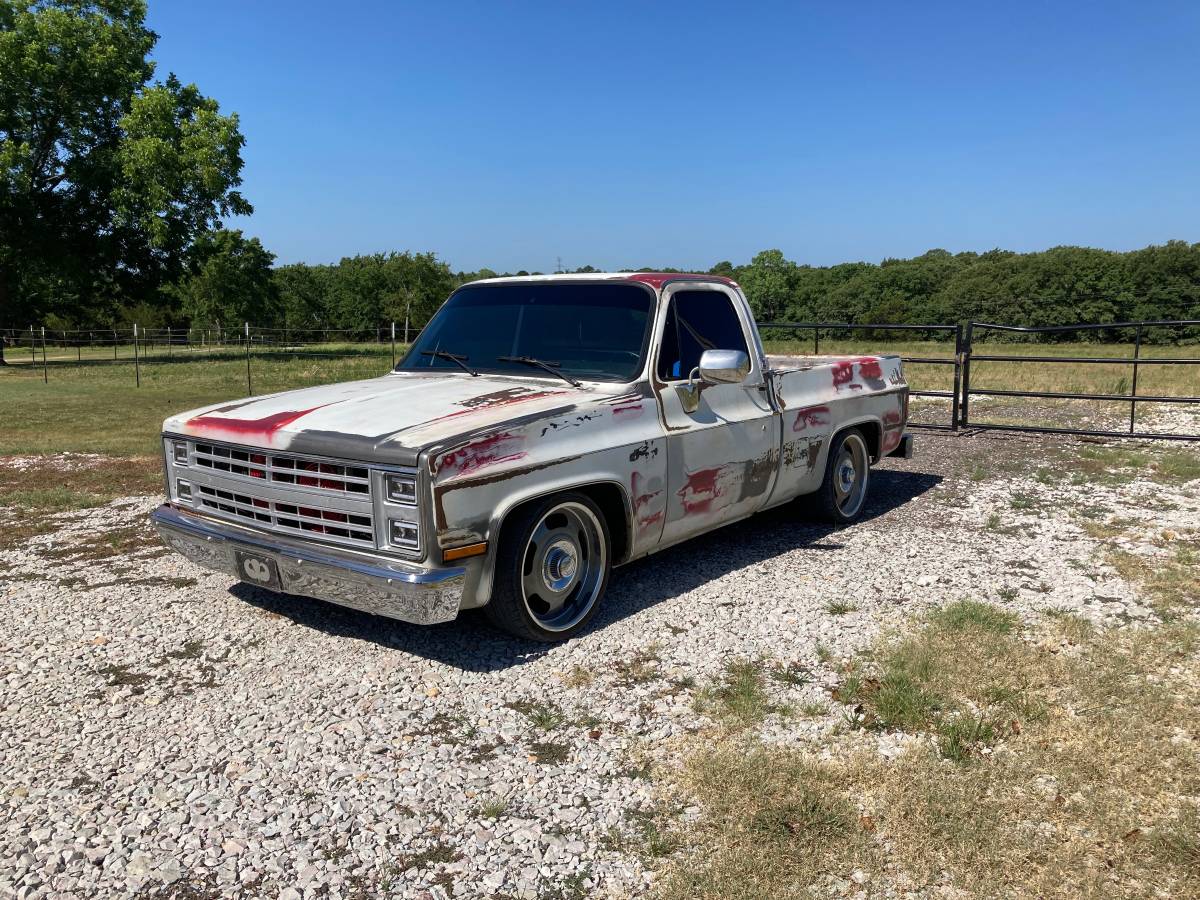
959 397
1133 398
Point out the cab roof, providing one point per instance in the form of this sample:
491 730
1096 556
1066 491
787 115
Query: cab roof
656 280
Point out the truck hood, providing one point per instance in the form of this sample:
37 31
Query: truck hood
389 419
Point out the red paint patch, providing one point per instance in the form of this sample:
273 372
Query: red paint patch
700 491
811 416
488 451
657 279
262 428
631 411
868 367
642 499
843 373
891 440
891 418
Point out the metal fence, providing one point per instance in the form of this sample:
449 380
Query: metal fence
1135 362
48 349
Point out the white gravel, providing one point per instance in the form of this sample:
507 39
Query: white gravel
157 734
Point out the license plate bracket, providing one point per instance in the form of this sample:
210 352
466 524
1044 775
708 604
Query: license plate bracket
258 570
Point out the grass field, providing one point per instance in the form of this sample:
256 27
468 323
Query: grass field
96 406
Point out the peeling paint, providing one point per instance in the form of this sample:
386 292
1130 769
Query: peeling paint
496 448
644 497
506 397
757 473
645 450
701 489
569 423
811 417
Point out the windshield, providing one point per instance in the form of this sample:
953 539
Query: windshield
596 332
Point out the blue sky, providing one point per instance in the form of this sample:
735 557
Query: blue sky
683 133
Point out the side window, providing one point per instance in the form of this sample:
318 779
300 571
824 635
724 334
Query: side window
697 321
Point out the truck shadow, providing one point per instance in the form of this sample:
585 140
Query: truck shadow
469 643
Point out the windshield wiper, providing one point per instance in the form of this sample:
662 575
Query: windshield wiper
457 359
551 367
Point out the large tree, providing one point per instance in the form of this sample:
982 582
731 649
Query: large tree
228 282
106 177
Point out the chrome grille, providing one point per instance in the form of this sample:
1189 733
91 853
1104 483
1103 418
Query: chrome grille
326 477
291 518
318 499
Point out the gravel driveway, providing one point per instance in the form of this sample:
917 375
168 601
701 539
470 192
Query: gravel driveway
164 731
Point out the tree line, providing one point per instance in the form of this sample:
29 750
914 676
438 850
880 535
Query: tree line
115 186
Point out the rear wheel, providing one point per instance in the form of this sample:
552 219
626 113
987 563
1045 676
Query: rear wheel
552 568
843 492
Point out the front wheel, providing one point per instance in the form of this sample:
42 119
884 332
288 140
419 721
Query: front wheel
552 568
843 491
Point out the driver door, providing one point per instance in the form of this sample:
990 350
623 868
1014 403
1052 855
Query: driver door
722 456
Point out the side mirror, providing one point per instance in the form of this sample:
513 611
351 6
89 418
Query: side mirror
724 366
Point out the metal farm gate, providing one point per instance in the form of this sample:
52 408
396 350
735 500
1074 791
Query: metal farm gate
964 356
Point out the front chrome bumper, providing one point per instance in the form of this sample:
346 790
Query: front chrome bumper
385 587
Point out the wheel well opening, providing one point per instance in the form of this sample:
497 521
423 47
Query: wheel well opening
873 435
612 503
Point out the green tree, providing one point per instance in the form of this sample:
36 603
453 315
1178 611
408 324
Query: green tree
768 282
228 281
105 177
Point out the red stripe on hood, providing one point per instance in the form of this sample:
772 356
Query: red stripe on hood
259 428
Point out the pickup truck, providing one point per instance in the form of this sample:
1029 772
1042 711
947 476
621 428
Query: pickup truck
539 432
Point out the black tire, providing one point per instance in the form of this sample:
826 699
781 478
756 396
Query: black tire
836 501
559 540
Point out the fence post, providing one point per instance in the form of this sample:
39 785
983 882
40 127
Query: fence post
32 347
137 363
1137 353
168 340
958 339
45 368
407 311
393 345
963 408
249 386
114 344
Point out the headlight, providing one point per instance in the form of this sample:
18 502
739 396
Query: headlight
179 453
401 489
404 534
183 490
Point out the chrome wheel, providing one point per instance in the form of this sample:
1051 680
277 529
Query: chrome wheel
851 470
563 567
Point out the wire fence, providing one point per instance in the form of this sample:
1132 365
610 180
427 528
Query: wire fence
47 350
941 355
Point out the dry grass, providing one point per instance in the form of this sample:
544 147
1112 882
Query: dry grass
33 495
1086 785
56 484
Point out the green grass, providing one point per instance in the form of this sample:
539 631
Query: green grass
738 699
95 405
98 408
1088 791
